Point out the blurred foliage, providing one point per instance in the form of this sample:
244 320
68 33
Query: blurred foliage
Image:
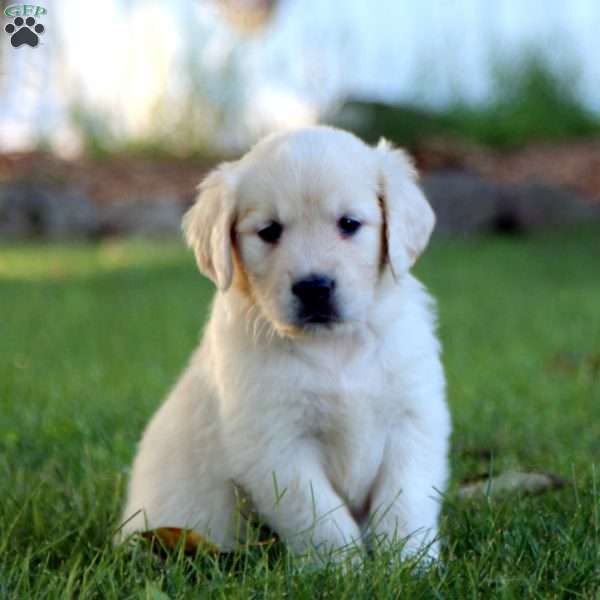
192 118
185 133
531 101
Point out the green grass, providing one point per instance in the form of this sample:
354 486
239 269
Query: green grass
91 338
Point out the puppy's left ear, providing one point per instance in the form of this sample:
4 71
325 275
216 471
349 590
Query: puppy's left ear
409 220
207 226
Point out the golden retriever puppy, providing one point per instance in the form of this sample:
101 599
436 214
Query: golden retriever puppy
317 392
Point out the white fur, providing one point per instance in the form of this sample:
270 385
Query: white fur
338 435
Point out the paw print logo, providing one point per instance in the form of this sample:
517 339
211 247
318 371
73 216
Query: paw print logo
24 32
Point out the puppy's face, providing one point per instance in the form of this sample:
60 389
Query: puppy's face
303 225
308 232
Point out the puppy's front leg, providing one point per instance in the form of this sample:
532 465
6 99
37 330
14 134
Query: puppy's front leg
295 498
406 498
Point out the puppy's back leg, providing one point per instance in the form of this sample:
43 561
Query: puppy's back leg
179 478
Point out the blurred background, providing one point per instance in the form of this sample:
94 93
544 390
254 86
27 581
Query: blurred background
107 125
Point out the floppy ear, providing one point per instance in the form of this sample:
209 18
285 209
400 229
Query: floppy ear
408 218
207 226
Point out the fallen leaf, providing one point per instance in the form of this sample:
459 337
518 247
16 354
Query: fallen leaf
511 482
171 537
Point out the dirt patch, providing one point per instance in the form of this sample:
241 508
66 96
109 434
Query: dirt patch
106 181
572 165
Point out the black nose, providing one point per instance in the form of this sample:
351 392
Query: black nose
314 289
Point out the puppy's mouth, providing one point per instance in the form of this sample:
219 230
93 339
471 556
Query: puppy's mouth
313 318
317 321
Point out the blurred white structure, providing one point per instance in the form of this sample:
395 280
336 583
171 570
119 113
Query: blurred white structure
123 59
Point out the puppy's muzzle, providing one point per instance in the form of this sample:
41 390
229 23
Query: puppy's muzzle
316 305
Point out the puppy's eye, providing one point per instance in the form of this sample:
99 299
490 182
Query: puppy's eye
348 226
271 233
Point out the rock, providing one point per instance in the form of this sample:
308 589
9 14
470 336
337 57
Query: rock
466 204
534 205
152 218
28 211
33 211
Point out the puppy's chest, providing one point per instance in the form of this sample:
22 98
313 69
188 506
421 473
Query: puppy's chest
331 411
345 415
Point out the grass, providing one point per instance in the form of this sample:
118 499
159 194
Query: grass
91 338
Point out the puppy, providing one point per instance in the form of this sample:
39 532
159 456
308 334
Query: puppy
317 392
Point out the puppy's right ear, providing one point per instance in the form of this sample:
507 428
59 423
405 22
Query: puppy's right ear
207 226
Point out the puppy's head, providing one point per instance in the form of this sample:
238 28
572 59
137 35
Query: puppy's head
307 224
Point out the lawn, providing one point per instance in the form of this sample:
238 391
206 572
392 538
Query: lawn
91 338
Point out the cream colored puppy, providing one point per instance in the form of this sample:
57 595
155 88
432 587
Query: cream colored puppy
317 391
